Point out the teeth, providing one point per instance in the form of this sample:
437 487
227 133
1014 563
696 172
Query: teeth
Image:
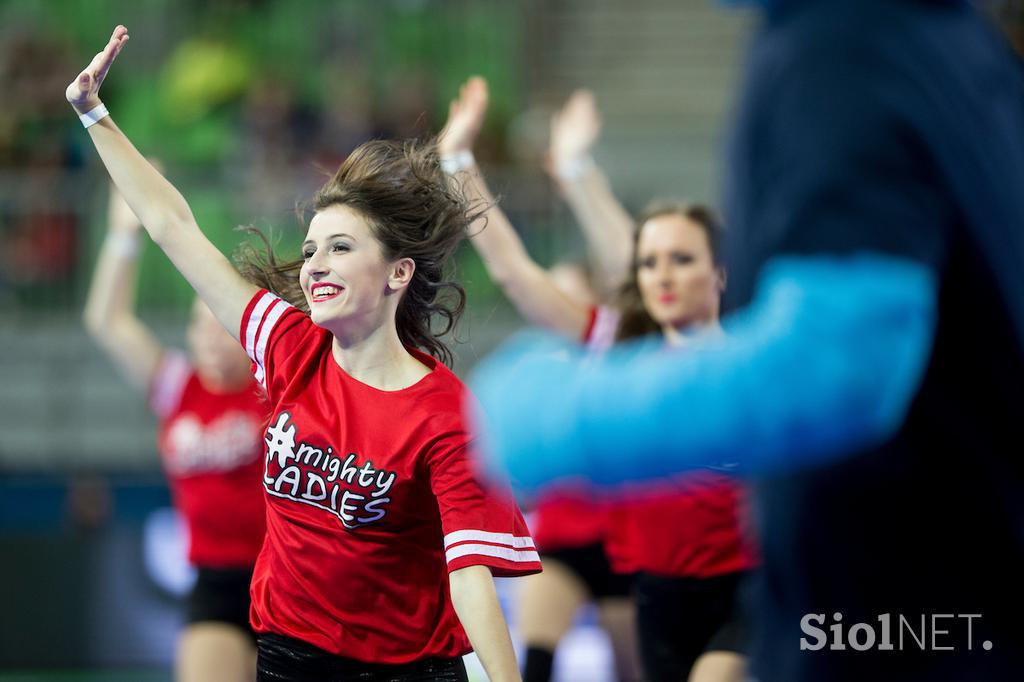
325 291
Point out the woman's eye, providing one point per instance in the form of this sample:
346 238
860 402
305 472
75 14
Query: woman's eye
645 263
308 253
682 258
339 247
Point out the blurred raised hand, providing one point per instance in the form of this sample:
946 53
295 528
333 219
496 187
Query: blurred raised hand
465 117
607 227
574 129
84 92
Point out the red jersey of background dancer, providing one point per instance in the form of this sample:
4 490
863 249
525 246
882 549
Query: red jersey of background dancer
371 501
210 444
693 527
569 516
566 518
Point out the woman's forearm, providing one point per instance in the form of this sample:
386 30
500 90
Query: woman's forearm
160 207
606 226
508 263
109 314
112 290
476 603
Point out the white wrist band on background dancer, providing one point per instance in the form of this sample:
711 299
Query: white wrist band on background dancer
575 168
459 161
93 116
124 244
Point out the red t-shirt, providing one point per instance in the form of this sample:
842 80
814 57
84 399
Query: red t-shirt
567 518
371 501
570 516
693 526
210 444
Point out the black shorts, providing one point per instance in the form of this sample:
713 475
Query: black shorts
678 619
220 595
285 659
590 563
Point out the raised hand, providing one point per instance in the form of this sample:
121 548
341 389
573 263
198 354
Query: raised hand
83 92
574 129
465 117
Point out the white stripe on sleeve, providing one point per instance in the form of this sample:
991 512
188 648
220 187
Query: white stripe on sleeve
515 541
506 553
602 335
277 309
254 325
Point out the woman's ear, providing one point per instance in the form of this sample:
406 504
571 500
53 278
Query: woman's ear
401 273
723 278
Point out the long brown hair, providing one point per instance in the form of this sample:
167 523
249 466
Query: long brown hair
636 321
414 210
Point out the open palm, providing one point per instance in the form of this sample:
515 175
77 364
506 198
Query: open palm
84 92
575 128
465 117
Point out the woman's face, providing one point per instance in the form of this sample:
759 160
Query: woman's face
346 279
675 272
218 357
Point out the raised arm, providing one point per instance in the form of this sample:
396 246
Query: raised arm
607 226
526 283
109 307
161 208
825 361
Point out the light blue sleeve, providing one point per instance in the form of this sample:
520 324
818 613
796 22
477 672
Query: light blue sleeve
824 362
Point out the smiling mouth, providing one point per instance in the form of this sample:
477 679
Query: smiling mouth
324 292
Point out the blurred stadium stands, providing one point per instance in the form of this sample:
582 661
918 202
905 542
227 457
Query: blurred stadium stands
247 102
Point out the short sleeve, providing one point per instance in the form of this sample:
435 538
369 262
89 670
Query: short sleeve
169 382
271 331
482 526
823 169
604 323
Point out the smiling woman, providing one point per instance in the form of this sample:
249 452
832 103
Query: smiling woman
388 208
370 489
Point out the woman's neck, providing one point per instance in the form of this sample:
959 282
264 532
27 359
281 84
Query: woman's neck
681 336
224 383
378 359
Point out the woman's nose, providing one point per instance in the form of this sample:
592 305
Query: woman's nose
315 263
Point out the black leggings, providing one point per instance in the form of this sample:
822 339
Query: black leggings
284 659
678 619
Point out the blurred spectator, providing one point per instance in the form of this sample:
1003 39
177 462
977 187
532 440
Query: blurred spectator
38 219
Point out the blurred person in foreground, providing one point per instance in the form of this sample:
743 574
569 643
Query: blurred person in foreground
212 414
873 383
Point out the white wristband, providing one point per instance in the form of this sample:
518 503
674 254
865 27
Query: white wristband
124 244
459 161
93 116
575 168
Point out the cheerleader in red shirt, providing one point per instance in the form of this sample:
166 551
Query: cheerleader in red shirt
684 541
380 545
568 523
212 415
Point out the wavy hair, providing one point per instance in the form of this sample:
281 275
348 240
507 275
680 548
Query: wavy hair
414 210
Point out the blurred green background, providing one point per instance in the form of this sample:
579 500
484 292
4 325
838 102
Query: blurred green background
248 104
